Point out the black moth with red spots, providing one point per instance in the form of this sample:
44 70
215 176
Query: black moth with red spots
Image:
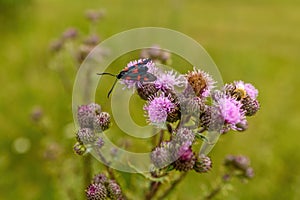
137 72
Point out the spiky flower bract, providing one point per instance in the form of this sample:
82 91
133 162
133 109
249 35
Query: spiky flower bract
96 191
203 164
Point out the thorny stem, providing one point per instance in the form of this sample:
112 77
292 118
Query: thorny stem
174 184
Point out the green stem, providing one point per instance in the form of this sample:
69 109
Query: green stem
174 184
154 186
87 172
214 192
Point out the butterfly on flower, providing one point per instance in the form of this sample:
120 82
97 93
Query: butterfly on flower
135 72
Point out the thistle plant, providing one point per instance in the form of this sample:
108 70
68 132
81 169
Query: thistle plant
188 110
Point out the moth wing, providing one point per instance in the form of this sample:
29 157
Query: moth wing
148 77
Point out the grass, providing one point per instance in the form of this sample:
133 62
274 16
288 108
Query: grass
255 41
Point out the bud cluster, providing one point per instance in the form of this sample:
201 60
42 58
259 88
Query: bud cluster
91 121
103 188
238 166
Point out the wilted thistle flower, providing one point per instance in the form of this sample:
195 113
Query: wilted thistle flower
96 192
168 80
183 135
102 121
201 82
203 164
158 109
79 148
186 160
85 135
114 190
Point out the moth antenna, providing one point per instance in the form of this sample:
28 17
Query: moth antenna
112 88
105 73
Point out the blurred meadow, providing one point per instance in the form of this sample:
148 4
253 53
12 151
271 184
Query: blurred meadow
251 40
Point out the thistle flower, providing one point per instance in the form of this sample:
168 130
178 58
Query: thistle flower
96 192
239 166
100 179
239 162
156 53
85 135
249 173
70 33
158 109
102 121
95 15
160 156
186 160
168 80
241 90
79 148
114 190
231 112
99 142
250 106
192 105
56 45
203 164
201 82
92 40
183 135
86 114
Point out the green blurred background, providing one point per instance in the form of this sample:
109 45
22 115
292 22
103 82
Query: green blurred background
255 41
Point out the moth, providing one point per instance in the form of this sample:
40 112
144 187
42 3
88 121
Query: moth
136 72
